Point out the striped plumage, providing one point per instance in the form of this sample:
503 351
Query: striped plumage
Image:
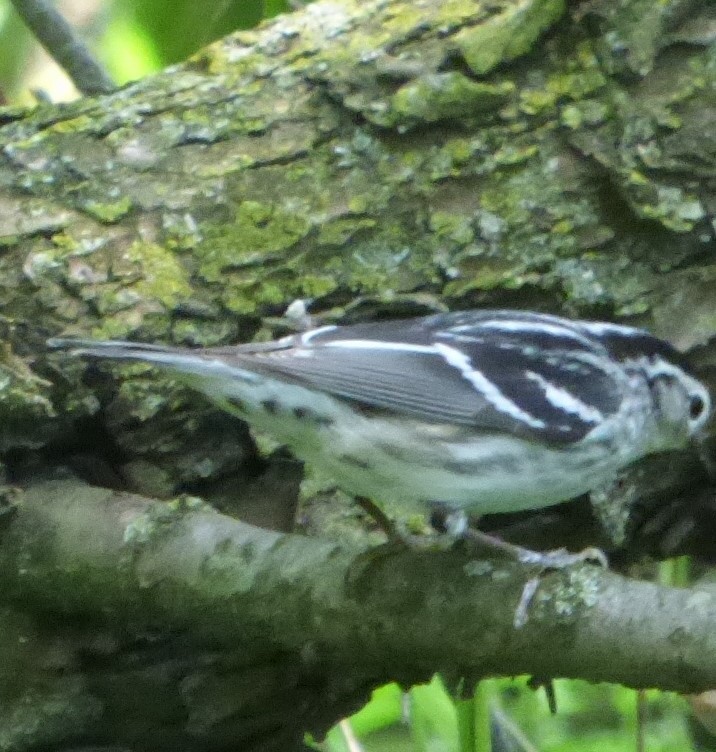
490 411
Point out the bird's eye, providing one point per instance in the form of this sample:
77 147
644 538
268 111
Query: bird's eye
697 405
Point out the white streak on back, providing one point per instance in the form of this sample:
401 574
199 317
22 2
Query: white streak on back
565 400
485 387
308 336
535 327
370 344
602 327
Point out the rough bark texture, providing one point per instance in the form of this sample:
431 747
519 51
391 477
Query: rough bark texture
382 158
175 617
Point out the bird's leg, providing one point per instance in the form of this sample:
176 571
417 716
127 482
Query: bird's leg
560 558
380 518
454 522
453 525
397 533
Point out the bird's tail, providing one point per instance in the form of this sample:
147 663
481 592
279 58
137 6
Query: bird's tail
174 358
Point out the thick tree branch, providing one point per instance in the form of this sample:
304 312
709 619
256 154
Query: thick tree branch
83 551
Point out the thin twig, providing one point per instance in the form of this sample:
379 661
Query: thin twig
641 711
65 46
349 736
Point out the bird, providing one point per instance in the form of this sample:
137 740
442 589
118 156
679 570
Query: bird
483 411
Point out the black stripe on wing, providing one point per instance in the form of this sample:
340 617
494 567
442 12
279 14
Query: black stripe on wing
492 383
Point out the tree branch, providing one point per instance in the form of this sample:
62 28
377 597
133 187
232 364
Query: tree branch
86 551
65 46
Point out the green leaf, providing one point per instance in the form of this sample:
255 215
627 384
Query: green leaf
433 717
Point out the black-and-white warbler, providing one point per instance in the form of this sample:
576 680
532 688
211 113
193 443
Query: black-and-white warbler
485 411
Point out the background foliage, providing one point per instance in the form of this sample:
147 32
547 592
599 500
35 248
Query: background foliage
131 37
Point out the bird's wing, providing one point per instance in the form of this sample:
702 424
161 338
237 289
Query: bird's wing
530 375
538 378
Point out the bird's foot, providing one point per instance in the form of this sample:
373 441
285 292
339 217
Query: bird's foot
452 527
559 558
455 524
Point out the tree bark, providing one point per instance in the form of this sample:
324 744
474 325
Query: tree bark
290 631
381 159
